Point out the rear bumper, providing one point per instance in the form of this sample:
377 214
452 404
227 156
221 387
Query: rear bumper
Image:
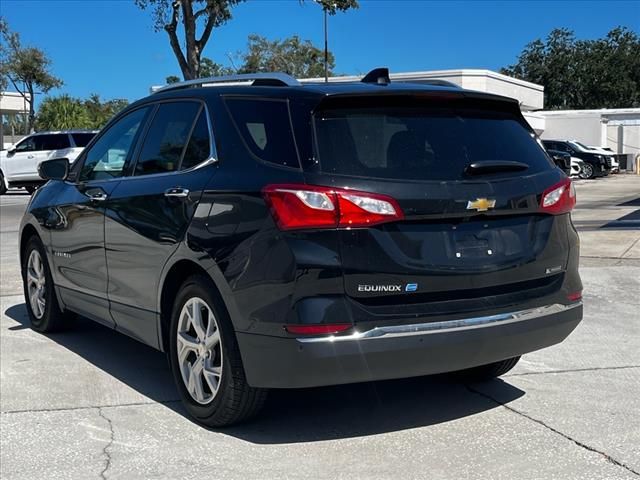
405 350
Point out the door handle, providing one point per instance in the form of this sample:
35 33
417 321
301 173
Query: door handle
31 156
97 196
176 192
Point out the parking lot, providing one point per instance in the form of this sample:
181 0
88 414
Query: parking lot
91 403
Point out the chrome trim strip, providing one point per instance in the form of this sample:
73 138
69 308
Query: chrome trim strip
395 331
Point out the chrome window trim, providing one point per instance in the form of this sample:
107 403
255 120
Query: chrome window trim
212 159
472 323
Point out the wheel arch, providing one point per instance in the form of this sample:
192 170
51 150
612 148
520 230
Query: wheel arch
173 277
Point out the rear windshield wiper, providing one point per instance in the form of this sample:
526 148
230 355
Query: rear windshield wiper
494 166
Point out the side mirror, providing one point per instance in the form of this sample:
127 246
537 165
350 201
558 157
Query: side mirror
56 169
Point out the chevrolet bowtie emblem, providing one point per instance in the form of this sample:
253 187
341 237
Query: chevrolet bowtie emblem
481 204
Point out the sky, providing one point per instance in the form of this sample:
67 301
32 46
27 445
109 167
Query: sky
109 47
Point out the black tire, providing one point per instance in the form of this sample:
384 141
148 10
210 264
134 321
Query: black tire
3 187
53 318
488 372
235 400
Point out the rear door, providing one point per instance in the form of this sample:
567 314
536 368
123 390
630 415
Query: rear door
149 212
470 238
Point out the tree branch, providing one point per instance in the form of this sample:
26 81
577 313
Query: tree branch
206 33
171 29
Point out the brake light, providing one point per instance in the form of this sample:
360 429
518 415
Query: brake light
308 206
559 198
318 329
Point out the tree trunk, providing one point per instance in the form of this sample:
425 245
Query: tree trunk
32 110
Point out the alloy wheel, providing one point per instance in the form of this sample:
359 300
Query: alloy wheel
199 350
36 284
587 171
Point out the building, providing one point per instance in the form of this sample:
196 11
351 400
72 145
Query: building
618 128
12 104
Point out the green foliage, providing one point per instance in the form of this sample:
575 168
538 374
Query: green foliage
24 68
299 58
99 113
65 112
185 17
62 113
582 74
172 79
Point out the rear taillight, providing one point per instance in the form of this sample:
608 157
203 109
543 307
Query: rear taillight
560 198
308 206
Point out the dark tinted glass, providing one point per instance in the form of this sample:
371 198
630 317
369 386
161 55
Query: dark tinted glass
421 143
107 157
265 127
199 146
82 139
56 141
26 145
166 138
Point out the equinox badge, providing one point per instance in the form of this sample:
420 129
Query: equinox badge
481 204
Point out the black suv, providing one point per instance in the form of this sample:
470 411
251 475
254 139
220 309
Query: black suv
595 165
271 234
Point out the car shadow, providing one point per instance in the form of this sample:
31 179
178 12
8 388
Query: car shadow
289 416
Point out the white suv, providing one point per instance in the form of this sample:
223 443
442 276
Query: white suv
19 164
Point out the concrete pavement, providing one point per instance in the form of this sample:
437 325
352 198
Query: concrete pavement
91 403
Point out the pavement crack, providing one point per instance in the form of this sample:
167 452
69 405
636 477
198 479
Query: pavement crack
606 456
90 407
630 247
105 450
572 370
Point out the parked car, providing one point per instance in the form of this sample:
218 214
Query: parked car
595 164
562 160
19 163
615 165
269 234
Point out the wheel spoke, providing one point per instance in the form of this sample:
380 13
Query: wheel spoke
196 320
212 376
212 340
196 381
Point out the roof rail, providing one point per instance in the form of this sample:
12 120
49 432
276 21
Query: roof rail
271 79
438 82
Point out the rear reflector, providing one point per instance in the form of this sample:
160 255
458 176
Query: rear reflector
559 198
307 206
574 297
319 329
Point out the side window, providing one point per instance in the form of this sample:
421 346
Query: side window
106 158
82 139
199 146
26 145
56 141
166 138
265 127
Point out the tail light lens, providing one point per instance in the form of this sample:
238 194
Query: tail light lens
559 198
307 206
317 329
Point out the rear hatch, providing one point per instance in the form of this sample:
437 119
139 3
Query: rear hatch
468 177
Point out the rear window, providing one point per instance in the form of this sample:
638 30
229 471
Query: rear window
82 139
265 127
420 143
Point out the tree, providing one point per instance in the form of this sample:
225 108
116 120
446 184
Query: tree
207 15
582 74
62 113
25 68
296 57
99 112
